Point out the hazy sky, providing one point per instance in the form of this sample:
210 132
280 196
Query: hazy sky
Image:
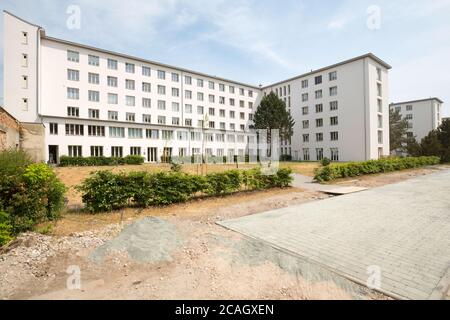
260 42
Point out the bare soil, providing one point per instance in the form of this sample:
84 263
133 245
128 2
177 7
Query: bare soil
194 258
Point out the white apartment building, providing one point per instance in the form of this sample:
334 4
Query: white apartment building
95 102
423 115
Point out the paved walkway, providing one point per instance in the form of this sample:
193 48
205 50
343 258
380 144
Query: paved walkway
305 182
401 231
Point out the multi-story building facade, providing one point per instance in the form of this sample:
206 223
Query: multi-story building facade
423 115
94 102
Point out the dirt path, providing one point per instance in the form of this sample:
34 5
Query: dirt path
189 256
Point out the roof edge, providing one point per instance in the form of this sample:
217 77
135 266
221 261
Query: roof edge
21 19
367 55
418 100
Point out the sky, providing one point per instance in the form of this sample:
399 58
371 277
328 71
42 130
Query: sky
261 41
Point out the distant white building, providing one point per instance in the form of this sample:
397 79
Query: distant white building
423 115
94 102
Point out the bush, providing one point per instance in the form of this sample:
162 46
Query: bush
325 162
106 191
5 228
285 157
354 169
29 193
65 161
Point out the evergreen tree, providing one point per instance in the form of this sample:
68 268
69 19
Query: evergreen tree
398 127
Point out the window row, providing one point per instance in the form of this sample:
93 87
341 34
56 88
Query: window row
319 153
334 136
333 91
319 122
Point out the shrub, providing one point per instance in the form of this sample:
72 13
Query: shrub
175 167
106 191
325 162
354 169
5 228
285 157
65 161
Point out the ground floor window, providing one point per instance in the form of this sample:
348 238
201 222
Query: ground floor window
135 151
117 152
182 152
96 151
75 151
334 154
380 153
319 154
305 154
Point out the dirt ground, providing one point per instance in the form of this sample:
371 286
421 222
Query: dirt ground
188 256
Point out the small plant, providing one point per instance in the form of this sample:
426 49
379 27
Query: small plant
5 228
175 167
325 162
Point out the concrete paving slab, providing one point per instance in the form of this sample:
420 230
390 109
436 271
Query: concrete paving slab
394 238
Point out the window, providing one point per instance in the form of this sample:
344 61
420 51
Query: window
221 100
409 135
75 151
117 152
305 154
53 128
222 125
131 117
333 105
304 84
152 134
334 135
188 108
242 116
116 132
380 136
306 138
188 80
182 135
242 127
175 92
161 105
241 103
231 102
94 96
333 75
73 75
161 89
221 87
318 94
112 64
211 85
319 108
409 116
379 74
305 124
24 60
146 87
96 131
135 151
161 120
113 98
211 98
319 123
129 67
113 115
231 89
232 126
129 84
161 74
200 83
334 121
112 81
319 154
134 133
74 129
73 112
93 60
304 97
231 138
146 71
93 78
175 77
167 134
24 37
188 122
250 93
130 101
380 105
73 93
232 114
175 106
222 112
73 56
188 94
94 113
96 151
241 91
319 137
333 91
200 96
334 154
409 107
250 104
380 121
379 90
398 109
211 111
146 118
24 82
318 80
305 110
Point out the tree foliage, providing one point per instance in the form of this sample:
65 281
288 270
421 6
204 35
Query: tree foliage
398 127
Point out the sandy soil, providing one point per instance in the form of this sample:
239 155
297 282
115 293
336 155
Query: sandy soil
194 258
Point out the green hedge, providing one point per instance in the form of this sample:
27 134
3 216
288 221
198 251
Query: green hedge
354 169
66 161
106 191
